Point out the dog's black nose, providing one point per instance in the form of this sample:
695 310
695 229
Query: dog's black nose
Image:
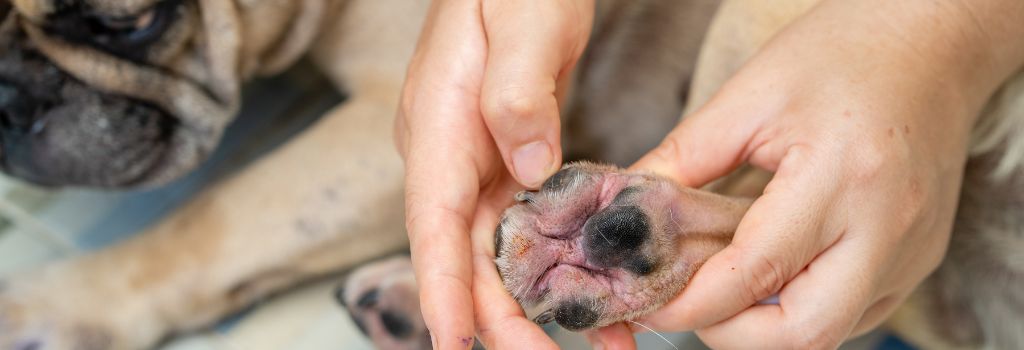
17 109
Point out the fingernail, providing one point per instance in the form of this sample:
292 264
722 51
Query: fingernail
532 163
597 344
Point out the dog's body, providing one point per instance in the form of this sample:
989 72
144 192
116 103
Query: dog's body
331 198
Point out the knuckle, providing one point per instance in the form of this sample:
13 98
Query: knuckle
868 167
762 278
874 160
669 149
670 153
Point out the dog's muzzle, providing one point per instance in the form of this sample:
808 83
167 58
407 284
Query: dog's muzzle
56 131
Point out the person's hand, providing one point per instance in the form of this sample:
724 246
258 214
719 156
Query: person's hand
862 109
478 121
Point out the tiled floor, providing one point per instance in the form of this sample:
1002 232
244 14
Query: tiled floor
38 226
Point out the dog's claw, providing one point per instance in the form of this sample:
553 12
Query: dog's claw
525 196
545 317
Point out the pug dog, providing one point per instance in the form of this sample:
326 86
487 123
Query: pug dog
595 245
134 93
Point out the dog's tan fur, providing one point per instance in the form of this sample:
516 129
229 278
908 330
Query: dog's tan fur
332 197
304 210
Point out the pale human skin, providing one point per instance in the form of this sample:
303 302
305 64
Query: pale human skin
867 140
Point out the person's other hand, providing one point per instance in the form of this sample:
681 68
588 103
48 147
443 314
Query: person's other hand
867 133
478 121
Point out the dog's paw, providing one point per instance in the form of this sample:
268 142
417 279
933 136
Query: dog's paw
57 309
596 245
383 300
34 327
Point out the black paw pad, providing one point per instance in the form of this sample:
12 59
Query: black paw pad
576 315
614 235
396 325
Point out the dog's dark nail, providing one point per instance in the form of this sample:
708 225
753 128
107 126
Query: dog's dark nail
575 315
613 235
525 196
368 299
396 325
498 233
545 317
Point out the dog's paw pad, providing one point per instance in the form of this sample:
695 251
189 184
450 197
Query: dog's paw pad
383 301
596 244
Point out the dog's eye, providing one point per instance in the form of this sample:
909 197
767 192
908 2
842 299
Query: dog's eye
140 29
130 26
125 35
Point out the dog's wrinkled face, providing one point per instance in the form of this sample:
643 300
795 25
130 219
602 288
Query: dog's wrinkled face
597 245
113 93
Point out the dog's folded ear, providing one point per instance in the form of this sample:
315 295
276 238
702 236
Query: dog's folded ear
303 30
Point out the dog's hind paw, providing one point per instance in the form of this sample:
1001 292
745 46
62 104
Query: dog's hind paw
383 300
596 245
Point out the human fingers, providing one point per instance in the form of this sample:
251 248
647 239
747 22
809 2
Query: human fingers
443 173
780 234
531 46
